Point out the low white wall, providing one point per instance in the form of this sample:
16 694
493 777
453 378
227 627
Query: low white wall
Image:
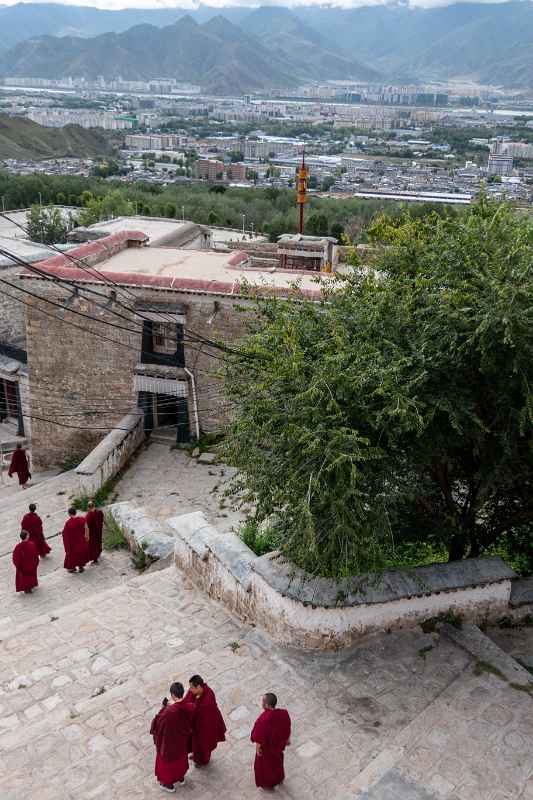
303 612
143 531
111 454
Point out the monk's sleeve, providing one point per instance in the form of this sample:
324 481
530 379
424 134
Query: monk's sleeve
17 559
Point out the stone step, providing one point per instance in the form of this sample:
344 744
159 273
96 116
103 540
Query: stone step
37 492
56 664
52 497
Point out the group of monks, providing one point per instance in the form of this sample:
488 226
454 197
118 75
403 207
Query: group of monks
82 540
193 723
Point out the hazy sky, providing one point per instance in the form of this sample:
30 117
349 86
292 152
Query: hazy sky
116 4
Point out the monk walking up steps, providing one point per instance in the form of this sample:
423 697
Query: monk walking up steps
32 523
208 725
20 465
95 523
271 735
172 730
26 561
75 541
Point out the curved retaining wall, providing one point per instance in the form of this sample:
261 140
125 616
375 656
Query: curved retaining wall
323 614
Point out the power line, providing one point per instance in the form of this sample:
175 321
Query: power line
100 277
85 316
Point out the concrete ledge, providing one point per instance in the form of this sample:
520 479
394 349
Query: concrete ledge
141 530
318 613
111 454
388 586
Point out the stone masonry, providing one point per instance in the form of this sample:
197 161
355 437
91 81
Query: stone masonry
88 365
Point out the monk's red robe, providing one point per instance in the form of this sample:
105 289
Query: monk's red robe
95 523
19 464
26 560
32 523
172 729
76 548
272 730
208 725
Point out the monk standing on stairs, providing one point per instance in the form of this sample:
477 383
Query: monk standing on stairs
76 542
21 465
26 561
32 523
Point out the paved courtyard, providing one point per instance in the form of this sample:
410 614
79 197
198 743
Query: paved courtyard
85 661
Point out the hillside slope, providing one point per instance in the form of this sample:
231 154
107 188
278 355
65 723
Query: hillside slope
20 138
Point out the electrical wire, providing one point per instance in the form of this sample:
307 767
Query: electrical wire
100 277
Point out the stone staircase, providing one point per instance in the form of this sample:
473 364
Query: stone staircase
86 659
51 495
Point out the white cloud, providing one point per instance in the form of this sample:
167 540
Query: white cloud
190 4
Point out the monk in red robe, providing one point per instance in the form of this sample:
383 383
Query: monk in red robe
21 465
208 724
172 730
271 735
75 540
94 520
32 523
26 560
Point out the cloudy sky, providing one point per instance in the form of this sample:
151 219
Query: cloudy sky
116 4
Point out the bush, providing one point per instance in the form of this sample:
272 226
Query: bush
260 542
114 538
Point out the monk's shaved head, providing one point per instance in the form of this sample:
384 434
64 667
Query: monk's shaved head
270 700
23 535
196 680
177 690
32 507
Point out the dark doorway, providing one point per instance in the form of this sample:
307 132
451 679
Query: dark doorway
166 410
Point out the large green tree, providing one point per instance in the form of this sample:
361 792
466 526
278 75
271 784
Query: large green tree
399 408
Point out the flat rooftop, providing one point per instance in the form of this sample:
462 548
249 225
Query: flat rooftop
204 265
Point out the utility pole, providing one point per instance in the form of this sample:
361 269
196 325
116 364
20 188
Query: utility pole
243 221
183 213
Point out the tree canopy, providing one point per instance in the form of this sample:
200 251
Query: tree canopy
399 408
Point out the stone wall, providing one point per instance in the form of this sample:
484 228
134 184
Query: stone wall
111 454
80 374
12 318
323 614
79 365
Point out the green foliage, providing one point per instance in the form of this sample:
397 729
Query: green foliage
71 461
399 408
113 538
99 498
485 668
259 542
46 225
140 559
113 204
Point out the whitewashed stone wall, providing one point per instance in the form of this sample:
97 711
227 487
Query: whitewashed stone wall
323 614
111 454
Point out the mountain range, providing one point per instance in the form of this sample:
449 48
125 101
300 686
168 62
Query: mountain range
238 49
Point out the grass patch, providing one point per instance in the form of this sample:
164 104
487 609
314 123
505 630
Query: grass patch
71 462
208 441
99 498
521 687
113 538
425 650
414 554
259 542
140 560
484 667
449 618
